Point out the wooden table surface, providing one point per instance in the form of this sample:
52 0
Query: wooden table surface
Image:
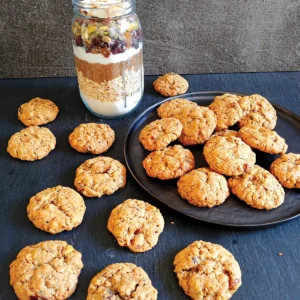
266 274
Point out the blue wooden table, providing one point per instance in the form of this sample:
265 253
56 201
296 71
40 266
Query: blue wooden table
266 274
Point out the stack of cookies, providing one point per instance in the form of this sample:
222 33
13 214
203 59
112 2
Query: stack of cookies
228 153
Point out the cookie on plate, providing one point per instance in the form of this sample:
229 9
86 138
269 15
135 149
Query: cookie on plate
198 126
287 170
100 176
56 209
160 133
257 111
263 139
92 138
227 133
227 110
175 107
207 271
31 143
203 187
170 85
37 112
136 225
258 188
169 163
228 155
48 270
122 281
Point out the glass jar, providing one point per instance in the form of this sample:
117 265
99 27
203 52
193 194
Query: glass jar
108 48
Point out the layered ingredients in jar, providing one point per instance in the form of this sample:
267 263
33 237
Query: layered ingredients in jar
109 63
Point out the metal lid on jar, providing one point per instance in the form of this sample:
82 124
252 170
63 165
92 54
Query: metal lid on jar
103 8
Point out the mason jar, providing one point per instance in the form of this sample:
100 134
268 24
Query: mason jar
108 48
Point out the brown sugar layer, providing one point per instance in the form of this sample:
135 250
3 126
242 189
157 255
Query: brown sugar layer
100 73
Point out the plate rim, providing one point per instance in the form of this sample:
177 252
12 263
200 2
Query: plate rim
244 226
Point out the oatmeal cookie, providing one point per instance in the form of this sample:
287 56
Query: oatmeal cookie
92 138
31 143
287 170
198 126
227 133
160 133
48 270
258 188
228 155
37 112
175 107
170 85
257 111
170 163
56 209
122 281
203 187
100 176
263 139
207 271
136 225
227 110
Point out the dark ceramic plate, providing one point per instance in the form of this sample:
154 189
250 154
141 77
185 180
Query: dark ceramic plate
233 212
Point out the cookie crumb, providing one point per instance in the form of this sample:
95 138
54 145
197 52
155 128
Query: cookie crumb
280 253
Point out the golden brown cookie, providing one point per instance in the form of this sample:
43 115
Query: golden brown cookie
48 270
160 133
122 281
31 143
287 170
37 112
263 139
258 188
136 225
92 138
170 163
198 126
203 187
207 271
100 176
227 110
170 85
228 155
56 209
227 133
257 111
175 107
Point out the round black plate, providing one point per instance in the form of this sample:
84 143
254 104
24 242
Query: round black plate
233 212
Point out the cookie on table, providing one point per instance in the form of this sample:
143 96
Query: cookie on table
257 111
203 187
160 133
170 85
37 112
227 110
48 270
263 139
198 126
175 107
287 170
56 209
136 224
92 138
122 281
100 176
227 133
258 188
169 163
228 155
31 143
207 271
